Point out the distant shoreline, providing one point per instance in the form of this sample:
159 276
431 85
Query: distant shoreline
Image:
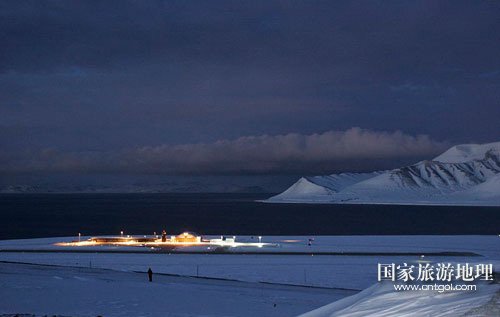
312 202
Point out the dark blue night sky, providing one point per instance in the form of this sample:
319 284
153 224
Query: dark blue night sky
243 87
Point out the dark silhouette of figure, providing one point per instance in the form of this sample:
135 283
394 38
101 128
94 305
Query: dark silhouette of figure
150 275
163 236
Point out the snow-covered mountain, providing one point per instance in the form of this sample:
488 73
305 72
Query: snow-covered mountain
464 175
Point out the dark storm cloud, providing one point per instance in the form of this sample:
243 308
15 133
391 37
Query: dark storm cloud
354 149
103 76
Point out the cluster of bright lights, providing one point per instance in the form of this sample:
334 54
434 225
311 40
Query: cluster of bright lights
157 242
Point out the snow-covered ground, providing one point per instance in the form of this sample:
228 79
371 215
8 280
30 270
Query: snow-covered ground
354 271
466 174
381 300
485 245
254 282
90 292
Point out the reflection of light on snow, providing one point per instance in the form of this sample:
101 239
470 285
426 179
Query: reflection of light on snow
77 243
183 240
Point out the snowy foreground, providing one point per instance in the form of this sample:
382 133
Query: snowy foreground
467 174
381 300
89 292
39 278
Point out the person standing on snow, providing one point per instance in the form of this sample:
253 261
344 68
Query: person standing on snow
150 275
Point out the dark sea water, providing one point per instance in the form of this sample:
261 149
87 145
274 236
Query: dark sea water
42 215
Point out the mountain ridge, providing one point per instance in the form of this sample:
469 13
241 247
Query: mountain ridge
454 177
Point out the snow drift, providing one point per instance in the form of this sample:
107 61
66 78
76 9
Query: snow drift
381 300
463 175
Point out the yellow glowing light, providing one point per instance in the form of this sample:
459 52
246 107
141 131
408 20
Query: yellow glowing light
185 239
